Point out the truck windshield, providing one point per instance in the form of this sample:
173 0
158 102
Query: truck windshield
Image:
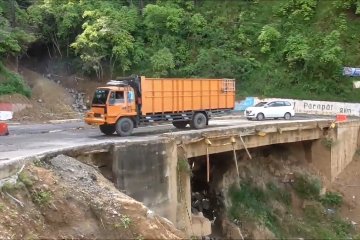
100 96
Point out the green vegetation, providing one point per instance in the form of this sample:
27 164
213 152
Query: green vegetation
183 166
11 187
272 207
2 207
11 82
328 142
26 179
124 223
41 197
282 48
331 199
14 39
307 187
250 203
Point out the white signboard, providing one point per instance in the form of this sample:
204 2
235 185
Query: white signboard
6 115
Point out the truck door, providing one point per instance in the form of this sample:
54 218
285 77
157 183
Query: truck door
116 106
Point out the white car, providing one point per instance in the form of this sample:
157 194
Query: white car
274 109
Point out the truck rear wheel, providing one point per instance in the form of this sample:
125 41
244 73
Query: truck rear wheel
107 129
199 121
124 127
180 125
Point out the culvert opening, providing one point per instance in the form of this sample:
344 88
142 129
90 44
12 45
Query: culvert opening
212 199
207 197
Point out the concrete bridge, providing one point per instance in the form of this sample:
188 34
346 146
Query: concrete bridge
149 168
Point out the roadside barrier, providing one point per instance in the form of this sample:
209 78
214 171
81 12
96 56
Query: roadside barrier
4 129
341 118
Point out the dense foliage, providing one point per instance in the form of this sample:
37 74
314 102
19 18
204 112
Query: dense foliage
283 48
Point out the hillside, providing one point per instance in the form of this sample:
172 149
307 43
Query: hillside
277 48
66 199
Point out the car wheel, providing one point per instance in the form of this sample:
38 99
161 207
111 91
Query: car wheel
199 121
124 127
107 129
287 116
260 116
180 125
249 119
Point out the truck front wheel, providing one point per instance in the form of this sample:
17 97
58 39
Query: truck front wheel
107 129
180 125
199 121
124 127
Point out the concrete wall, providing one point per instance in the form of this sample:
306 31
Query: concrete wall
147 172
345 146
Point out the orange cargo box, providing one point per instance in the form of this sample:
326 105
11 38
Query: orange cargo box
161 95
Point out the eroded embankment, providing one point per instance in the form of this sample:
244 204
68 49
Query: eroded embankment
64 198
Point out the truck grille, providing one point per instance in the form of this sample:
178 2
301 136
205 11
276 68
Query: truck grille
97 115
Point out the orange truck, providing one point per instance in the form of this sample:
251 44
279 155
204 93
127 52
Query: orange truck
127 103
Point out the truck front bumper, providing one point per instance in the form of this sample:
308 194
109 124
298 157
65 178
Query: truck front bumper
94 121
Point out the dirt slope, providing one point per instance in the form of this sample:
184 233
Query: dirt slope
49 100
348 183
68 199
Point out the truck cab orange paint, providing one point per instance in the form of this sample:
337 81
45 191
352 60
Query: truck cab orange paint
129 102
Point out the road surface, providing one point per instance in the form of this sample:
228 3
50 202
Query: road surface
29 140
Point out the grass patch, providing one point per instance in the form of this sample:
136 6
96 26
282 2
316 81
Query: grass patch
12 83
254 205
331 199
279 194
124 223
42 197
250 203
12 187
307 187
25 179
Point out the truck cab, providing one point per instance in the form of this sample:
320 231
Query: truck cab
109 104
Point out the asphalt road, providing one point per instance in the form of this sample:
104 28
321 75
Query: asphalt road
34 139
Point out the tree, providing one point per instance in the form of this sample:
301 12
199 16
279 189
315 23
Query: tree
162 62
268 36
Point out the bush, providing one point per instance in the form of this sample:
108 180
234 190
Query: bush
12 83
268 36
307 187
331 199
42 197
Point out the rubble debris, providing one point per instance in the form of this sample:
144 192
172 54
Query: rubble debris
80 104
